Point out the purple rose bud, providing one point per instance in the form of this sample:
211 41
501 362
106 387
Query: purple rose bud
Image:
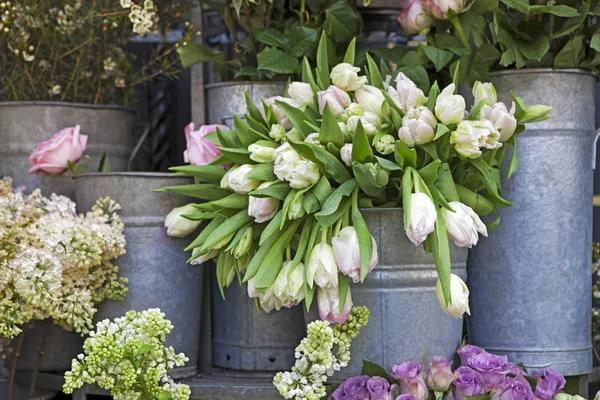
519 389
495 390
354 388
490 366
466 352
549 384
513 369
406 397
440 374
410 374
468 382
378 388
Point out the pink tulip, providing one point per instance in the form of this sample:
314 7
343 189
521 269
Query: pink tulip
200 151
52 156
413 18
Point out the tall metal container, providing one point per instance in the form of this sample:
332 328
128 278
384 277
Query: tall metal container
24 125
155 263
244 338
530 280
406 319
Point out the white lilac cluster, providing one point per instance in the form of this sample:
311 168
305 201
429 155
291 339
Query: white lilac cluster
319 355
143 17
54 263
128 357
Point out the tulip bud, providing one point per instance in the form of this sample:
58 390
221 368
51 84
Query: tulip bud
346 154
440 375
178 226
288 286
449 107
380 176
347 253
345 131
301 93
469 136
268 300
277 132
280 115
418 126
290 166
384 144
354 109
296 209
201 259
503 120
459 293
262 151
440 8
485 92
322 268
345 76
238 181
225 179
245 244
370 99
262 209
406 95
329 305
371 123
422 217
313 138
412 17
463 224
336 98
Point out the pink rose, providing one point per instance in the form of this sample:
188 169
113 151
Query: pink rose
52 156
199 150
412 17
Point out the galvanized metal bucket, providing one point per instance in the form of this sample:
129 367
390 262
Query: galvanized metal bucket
155 263
24 125
243 338
530 280
406 319
227 99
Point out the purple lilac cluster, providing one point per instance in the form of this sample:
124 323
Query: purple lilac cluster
480 373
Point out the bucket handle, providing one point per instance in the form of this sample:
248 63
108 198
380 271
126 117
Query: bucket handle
595 145
145 133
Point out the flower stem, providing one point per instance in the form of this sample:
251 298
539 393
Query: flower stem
324 235
459 30
288 253
338 226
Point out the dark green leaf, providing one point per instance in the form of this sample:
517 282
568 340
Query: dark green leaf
330 165
431 99
203 173
194 53
323 63
361 149
350 52
342 23
375 78
230 226
595 43
330 130
570 56
263 172
272 37
260 255
297 117
275 60
535 50
302 40
418 75
476 201
404 155
560 10
440 58
372 369
271 264
278 190
387 165
206 191
366 181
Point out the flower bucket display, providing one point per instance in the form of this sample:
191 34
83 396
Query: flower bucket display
24 125
155 264
538 260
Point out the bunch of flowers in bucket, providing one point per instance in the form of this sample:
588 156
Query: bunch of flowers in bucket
481 375
283 189
54 263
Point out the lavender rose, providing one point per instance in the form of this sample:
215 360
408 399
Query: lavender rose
513 369
406 397
549 384
490 366
440 374
519 389
354 388
466 352
378 388
410 374
468 382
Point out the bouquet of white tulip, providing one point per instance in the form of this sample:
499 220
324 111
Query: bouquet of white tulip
283 199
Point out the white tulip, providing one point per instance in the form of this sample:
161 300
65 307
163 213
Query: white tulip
385 144
296 209
301 93
288 286
336 98
422 215
262 209
322 268
277 132
504 121
407 95
470 136
313 138
345 131
370 99
178 226
354 109
371 123
450 107
290 166
347 253
280 115
329 305
345 76
268 300
261 151
346 154
463 225
204 258
459 294
485 92
418 126
238 181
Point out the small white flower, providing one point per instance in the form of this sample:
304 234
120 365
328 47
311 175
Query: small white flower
120 82
56 89
109 64
125 3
